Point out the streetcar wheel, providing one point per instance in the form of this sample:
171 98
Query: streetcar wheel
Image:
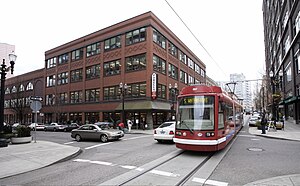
103 138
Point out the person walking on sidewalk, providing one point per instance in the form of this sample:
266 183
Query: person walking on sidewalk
263 122
129 124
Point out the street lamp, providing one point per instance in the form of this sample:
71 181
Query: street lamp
173 94
123 89
4 70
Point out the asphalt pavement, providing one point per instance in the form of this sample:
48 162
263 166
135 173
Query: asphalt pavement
20 158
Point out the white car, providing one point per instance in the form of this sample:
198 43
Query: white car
253 120
165 132
37 125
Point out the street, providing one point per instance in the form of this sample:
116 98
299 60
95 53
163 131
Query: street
137 159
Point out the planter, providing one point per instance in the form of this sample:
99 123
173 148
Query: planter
20 140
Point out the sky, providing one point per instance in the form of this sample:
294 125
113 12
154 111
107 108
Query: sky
230 31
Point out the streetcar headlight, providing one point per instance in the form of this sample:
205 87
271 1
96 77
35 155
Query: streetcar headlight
210 134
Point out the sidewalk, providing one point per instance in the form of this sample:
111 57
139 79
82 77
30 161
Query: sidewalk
291 132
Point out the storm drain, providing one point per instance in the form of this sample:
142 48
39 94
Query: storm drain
255 149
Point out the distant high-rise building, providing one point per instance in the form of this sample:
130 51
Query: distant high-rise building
242 89
5 50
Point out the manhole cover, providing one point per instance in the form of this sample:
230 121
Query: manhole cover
255 149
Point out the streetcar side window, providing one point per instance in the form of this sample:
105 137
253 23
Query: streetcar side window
221 116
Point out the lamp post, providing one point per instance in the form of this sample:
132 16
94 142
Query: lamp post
271 75
173 91
4 70
123 88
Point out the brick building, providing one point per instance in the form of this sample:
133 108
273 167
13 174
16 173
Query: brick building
82 77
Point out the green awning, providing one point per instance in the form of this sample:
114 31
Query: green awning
144 105
290 99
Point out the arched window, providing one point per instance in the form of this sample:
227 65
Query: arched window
21 88
29 86
7 91
14 89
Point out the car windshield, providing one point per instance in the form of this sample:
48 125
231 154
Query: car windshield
196 113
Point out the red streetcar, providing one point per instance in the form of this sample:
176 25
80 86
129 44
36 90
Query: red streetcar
207 118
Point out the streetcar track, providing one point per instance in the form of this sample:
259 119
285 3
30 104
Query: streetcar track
149 169
181 181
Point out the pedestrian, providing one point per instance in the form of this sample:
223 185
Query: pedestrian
121 126
263 123
129 124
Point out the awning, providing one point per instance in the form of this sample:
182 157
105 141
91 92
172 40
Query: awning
144 105
290 100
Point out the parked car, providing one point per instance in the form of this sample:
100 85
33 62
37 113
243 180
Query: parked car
165 132
38 126
70 127
54 127
96 132
253 120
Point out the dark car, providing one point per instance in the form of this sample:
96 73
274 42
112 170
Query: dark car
70 127
96 132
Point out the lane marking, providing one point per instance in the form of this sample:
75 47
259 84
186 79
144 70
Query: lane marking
210 182
164 173
135 138
95 162
67 143
94 146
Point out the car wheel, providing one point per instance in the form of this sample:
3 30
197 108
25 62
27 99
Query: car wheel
54 130
78 138
45 129
65 130
103 138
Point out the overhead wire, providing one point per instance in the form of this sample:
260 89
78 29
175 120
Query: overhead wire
195 37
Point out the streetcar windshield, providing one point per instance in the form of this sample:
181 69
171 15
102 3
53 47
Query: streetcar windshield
196 113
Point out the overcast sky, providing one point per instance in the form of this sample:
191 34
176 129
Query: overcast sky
230 30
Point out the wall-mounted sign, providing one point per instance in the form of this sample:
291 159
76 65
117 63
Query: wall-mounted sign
153 85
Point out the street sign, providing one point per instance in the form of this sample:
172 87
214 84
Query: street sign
36 106
36 98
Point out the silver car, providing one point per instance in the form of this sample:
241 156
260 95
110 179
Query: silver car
96 132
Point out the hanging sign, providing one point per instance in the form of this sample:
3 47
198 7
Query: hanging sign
153 85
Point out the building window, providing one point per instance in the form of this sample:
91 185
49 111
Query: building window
297 61
191 79
76 97
202 72
92 72
173 49
50 99
159 64
159 39
50 81
161 91
14 89
62 59
136 90
112 68
190 63
137 62
76 75
51 62
288 72
136 36
62 78
197 69
63 98
93 49
112 43
287 45
7 91
182 57
110 93
29 86
297 22
183 77
77 54
92 95
173 71
21 88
